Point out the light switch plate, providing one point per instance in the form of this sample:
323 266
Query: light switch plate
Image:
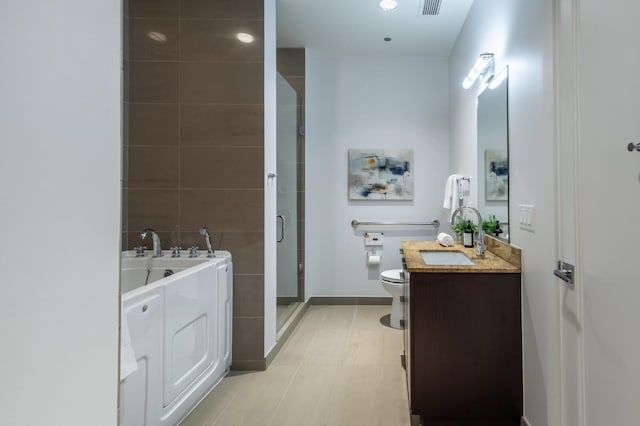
527 217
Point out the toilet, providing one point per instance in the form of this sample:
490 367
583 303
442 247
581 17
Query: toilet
393 281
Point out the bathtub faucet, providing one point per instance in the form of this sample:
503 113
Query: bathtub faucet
207 238
157 248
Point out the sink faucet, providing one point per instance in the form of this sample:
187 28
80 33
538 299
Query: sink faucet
157 248
481 248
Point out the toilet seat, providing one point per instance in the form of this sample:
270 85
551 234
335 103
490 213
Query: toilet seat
393 276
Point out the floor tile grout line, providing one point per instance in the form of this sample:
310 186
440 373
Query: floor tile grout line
235 395
293 376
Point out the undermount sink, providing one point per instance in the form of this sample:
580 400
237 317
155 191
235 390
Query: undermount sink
445 258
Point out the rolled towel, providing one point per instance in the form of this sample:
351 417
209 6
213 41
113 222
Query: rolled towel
445 239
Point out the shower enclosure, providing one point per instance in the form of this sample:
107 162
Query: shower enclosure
289 211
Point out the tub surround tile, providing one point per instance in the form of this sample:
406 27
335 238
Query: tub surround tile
204 40
248 295
154 208
153 167
154 8
222 125
222 9
247 249
167 239
222 83
153 124
202 206
248 339
145 45
224 168
153 81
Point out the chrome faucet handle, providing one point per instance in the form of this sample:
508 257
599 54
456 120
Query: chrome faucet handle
175 251
140 251
193 251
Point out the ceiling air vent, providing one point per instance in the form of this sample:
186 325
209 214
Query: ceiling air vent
430 7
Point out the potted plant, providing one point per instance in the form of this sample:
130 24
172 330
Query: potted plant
461 225
491 226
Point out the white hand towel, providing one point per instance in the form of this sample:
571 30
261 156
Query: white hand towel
128 363
450 191
445 239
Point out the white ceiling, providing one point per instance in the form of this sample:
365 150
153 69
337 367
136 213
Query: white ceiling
358 27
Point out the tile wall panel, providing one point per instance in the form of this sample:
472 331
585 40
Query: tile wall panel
212 167
154 124
222 83
194 141
206 40
222 9
222 125
153 39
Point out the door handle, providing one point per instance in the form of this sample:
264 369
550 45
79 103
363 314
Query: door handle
565 272
282 235
633 147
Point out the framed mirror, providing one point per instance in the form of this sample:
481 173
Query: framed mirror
493 156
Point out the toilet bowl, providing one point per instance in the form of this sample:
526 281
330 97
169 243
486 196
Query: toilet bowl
393 281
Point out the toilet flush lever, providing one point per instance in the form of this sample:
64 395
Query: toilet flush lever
565 272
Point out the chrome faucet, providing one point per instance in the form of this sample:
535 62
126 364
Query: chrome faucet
157 248
481 247
207 238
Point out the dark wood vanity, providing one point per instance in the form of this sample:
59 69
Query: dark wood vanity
463 339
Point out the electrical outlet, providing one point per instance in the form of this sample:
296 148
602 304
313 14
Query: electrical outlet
527 217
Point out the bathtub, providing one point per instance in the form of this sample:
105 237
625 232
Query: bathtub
179 323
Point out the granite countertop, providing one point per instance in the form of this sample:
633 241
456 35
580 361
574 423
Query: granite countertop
499 257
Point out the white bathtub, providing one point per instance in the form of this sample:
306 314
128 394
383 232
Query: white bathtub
180 328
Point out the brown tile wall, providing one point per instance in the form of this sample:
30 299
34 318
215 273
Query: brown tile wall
194 144
291 65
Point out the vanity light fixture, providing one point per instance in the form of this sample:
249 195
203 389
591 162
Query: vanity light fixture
495 81
388 4
484 67
245 37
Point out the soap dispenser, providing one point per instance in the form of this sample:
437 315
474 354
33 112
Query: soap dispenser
467 238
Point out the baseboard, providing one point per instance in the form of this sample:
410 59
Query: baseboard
524 421
349 300
249 365
286 300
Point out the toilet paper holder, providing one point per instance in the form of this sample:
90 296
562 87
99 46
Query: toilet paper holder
373 259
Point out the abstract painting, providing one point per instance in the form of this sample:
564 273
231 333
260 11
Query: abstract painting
496 172
381 174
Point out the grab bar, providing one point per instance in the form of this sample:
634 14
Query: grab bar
355 223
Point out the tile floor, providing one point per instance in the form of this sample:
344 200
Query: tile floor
340 367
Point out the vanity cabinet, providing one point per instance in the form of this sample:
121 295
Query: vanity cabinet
463 348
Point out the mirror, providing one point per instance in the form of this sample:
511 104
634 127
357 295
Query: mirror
493 156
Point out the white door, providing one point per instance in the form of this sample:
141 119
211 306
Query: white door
608 201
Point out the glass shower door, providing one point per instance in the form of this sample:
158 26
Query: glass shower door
287 202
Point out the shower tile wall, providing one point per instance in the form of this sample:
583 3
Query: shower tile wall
195 141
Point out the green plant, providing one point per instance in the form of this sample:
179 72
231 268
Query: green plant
462 224
489 225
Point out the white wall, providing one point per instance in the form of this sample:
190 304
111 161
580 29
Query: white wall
520 33
378 103
60 127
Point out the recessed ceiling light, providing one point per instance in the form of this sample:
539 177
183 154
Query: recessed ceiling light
245 38
156 36
388 4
